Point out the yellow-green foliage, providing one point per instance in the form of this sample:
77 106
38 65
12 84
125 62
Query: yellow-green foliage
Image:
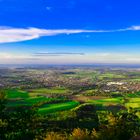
55 136
79 134
133 103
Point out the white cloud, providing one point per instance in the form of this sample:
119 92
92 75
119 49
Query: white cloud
134 28
21 34
8 56
8 34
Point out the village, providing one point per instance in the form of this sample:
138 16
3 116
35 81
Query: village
100 81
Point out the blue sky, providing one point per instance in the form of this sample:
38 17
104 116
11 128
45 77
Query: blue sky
69 31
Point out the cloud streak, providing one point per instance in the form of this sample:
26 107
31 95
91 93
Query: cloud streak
102 57
20 34
9 34
57 54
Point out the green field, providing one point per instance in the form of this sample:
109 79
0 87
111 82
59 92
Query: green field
47 105
51 108
110 75
107 101
51 105
49 91
128 102
16 94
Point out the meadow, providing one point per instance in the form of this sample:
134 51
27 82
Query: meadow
48 105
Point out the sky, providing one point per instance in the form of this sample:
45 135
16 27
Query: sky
69 31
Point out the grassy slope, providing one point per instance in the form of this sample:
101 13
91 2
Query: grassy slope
50 91
107 101
51 108
12 94
20 98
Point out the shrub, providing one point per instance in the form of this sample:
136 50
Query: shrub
79 134
55 136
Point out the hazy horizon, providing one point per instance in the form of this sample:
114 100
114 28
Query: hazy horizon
69 32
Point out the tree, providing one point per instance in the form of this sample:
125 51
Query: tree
3 116
18 122
122 126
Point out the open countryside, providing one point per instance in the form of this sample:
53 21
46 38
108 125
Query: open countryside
76 93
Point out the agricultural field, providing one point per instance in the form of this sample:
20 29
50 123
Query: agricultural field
48 105
67 98
45 104
70 86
